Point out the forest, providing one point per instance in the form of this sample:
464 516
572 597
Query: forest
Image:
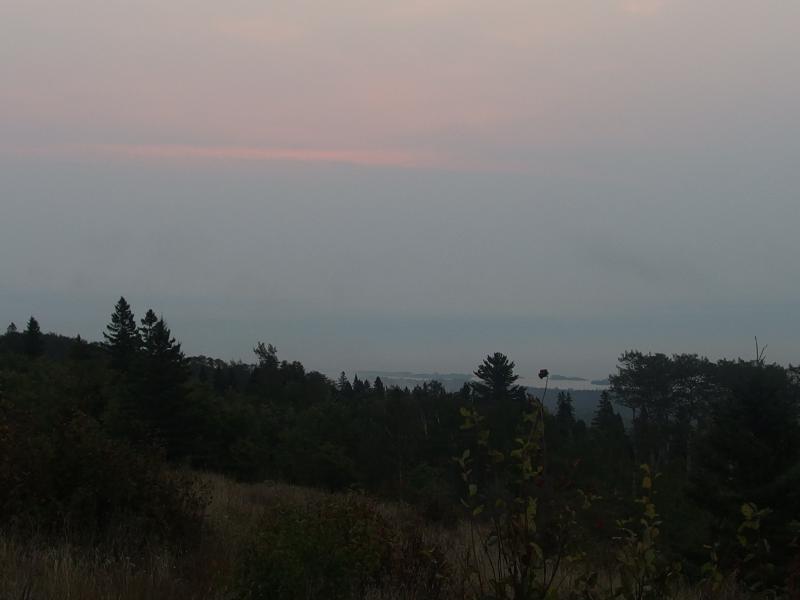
130 470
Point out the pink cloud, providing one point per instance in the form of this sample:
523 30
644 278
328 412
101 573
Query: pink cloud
359 157
184 152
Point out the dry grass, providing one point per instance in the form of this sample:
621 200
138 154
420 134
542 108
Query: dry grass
35 569
46 569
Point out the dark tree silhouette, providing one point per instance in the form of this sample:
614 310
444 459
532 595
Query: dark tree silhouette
32 343
496 379
267 355
565 414
344 385
122 337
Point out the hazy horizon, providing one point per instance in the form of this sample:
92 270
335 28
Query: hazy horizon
407 187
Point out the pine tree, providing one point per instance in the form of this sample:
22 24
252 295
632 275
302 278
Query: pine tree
146 329
267 355
33 343
503 400
605 419
378 387
343 385
11 329
497 378
158 343
611 458
122 337
160 377
565 414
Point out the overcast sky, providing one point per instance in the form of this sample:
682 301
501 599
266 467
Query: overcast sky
410 185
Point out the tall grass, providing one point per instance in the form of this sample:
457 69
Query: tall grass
119 567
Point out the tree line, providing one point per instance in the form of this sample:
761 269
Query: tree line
719 434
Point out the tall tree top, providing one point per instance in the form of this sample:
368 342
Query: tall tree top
33 342
496 379
159 342
122 336
267 355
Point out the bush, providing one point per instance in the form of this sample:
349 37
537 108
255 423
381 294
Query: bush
71 477
331 549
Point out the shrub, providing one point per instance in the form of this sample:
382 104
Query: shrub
71 477
331 549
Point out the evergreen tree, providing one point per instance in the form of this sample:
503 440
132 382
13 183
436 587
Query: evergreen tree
378 387
267 355
343 385
33 343
565 415
122 337
503 399
610 460
11 329
160 378
605 419
496 380
146 329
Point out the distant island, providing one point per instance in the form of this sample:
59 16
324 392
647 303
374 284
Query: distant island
566 378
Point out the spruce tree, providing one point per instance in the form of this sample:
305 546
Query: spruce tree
345 389
611 459
358 386
496 379
33 343
146 329
503 400
161 373
122 337
565 414
605 419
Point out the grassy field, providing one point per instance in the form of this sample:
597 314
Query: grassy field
427 562
118 568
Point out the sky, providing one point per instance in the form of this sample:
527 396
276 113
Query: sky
381 185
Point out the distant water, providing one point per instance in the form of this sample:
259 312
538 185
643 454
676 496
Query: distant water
562 384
